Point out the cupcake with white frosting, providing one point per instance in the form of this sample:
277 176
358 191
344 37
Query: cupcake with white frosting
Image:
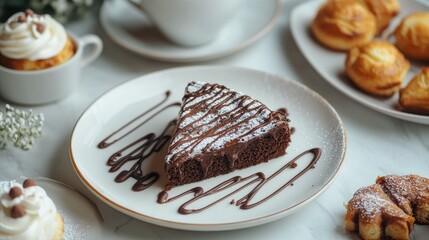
29 41
26 212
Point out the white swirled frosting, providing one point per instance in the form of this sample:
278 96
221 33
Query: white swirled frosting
31 36
39 220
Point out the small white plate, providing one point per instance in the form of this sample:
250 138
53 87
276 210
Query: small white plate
131 29
330 64
82 220
317 125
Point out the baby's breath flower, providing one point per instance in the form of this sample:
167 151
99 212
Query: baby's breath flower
19 127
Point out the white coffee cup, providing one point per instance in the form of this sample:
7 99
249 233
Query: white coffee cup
51 84
189 22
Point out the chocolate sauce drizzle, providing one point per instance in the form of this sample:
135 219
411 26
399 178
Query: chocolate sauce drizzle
244 202
138 150
104 143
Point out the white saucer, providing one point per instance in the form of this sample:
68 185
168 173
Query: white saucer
82 220
132 30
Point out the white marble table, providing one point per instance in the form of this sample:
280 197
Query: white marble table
376 144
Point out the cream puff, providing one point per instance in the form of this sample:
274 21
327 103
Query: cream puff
412 36
343 24
26 212
33 42
415 96
384 11
377 68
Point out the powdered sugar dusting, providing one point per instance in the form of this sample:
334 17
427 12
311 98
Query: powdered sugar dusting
212 116
196 116
407 190
195 86
74 231
372 203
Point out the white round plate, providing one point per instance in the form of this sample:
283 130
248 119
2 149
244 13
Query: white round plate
317 125
82 220
330 64
131 29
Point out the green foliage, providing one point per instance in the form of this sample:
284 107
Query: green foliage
62 10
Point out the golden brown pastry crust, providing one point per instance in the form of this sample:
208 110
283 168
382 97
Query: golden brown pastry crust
343 24
414 97
410 193
377 68
59 231
24 64
374 215
384 11
412 36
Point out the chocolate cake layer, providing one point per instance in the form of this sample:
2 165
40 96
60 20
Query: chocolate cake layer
220 130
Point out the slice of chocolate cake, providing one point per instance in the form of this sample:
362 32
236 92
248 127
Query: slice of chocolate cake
220 130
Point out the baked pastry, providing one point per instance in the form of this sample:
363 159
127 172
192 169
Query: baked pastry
415 96
384 11
412 36
393 203
343 24
410 193
377 68
220 130
32 42
374 215
26 212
